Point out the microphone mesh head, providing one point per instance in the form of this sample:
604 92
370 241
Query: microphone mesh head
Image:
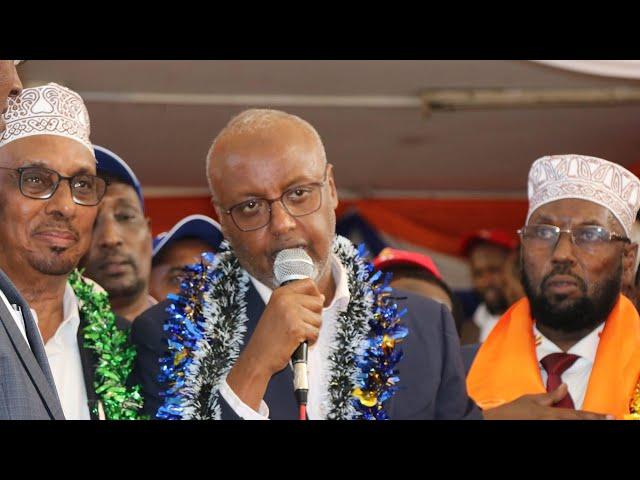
292 264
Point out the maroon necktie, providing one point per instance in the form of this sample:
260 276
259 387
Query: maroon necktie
555 364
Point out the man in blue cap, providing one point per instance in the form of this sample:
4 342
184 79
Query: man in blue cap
182 245
120 255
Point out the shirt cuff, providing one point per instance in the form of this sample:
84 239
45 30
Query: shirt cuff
243 410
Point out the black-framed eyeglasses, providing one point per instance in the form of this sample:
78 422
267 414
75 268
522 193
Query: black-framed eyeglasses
41 183
587 237
297 201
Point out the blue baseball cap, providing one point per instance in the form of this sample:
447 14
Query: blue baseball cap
193 226
111 164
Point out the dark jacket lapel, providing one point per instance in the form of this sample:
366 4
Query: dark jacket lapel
89 363
255 308
279 395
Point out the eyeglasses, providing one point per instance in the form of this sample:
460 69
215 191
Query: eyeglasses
586 237
297 201
41 183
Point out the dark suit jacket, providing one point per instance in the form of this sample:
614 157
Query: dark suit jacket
27 389
469 353
431 373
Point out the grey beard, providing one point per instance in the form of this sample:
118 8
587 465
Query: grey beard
55 267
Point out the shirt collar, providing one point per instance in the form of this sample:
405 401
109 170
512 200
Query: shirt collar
586 348
341 297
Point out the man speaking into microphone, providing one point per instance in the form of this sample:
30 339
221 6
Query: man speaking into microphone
273 191
228 353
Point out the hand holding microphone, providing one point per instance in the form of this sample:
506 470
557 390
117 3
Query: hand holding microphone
294 265
292 316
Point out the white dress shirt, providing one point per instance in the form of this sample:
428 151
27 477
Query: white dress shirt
485 321
63 354
577 376
17 316
318 352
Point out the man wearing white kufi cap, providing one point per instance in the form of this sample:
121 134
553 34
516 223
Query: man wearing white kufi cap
575 331
25 376
48 203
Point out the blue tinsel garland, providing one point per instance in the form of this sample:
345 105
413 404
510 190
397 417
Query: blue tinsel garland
184 329
362 362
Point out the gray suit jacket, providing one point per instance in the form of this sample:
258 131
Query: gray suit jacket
27 390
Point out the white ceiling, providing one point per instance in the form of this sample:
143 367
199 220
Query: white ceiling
161 116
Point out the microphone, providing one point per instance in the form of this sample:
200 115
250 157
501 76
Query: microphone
290 265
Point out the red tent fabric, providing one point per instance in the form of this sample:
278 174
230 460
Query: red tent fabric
438 224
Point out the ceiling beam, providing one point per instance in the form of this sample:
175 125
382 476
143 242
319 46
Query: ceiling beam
360 101
453 99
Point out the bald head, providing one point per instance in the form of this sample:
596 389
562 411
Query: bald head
264 155
260 128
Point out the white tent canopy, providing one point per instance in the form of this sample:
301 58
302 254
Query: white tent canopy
606 68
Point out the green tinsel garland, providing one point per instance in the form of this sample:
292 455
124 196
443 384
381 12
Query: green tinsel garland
115 354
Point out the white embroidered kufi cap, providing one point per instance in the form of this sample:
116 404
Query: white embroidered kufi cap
47 110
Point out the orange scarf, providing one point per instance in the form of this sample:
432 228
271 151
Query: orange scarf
506 365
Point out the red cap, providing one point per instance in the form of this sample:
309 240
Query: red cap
390 257
494 237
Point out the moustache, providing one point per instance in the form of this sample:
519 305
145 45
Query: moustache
563 270
274 252
110 258
58 226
